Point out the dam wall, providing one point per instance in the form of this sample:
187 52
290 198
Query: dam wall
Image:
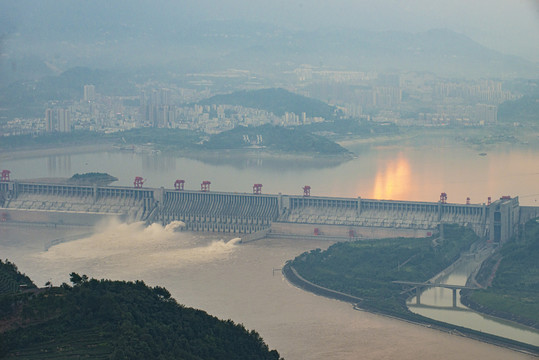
384 213
247 213
219 212
345 232
47 217
527 213
19 200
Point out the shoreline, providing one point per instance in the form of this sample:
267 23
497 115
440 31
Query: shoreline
296 280
480 309
190 154
51 151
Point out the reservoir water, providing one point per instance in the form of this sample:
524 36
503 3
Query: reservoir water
417 171
237 281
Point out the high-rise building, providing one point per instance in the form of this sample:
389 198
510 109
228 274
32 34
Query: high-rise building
50 120
58 120
486 114
64 120
164 97
387 96
89 92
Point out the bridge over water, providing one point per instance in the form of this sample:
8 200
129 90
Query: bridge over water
251 213
420 286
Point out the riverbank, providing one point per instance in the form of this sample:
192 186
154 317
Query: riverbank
509 280
295 279
55 150
477 307
205 155
478 138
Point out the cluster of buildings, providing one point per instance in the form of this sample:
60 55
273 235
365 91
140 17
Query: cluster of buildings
405 99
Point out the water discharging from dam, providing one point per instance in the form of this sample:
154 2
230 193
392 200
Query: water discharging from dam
129 247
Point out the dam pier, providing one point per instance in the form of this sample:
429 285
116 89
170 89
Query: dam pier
255 214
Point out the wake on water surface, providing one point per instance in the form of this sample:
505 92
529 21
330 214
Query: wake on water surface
119 249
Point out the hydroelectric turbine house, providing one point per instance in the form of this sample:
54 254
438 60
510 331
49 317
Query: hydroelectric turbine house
274 215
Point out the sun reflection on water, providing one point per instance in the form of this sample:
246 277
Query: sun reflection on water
393 179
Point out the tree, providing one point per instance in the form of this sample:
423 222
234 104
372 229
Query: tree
75 278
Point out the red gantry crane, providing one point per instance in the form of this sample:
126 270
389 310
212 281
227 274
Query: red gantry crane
178 185
443 198
257 189
205 186
138 182
5 175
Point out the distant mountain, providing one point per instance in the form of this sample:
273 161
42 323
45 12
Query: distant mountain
26 98
129 34
125 34
277 101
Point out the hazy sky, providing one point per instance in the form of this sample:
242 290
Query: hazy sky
511 26
507 25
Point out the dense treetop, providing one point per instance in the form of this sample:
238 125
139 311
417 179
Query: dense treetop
512 280
278 101
366 268
107 319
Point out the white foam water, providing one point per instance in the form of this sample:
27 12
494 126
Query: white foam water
121 250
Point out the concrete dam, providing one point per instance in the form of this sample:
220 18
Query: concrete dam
255 214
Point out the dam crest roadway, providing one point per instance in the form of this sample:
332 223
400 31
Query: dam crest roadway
256 215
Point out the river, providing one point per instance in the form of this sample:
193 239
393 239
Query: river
233 281
237 281
437 303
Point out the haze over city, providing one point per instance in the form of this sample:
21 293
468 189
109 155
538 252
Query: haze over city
310 172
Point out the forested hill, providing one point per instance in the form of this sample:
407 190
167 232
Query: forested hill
278 101
274 138
524 110
117 320
11 279
511 280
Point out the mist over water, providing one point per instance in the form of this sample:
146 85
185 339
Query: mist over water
121 250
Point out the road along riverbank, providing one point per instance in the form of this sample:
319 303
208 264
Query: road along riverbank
295 278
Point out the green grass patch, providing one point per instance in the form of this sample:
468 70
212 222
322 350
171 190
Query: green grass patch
366 269
514 292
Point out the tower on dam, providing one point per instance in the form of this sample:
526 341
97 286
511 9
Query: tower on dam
247 213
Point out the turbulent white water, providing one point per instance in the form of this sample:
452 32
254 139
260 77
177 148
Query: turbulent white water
175 226
122 250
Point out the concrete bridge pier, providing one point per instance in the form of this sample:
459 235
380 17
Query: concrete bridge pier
418 295
455 298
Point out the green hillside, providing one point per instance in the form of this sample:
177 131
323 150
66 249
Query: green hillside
277 101
118 320
366 268
514 273
11 279
274 138
524 110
